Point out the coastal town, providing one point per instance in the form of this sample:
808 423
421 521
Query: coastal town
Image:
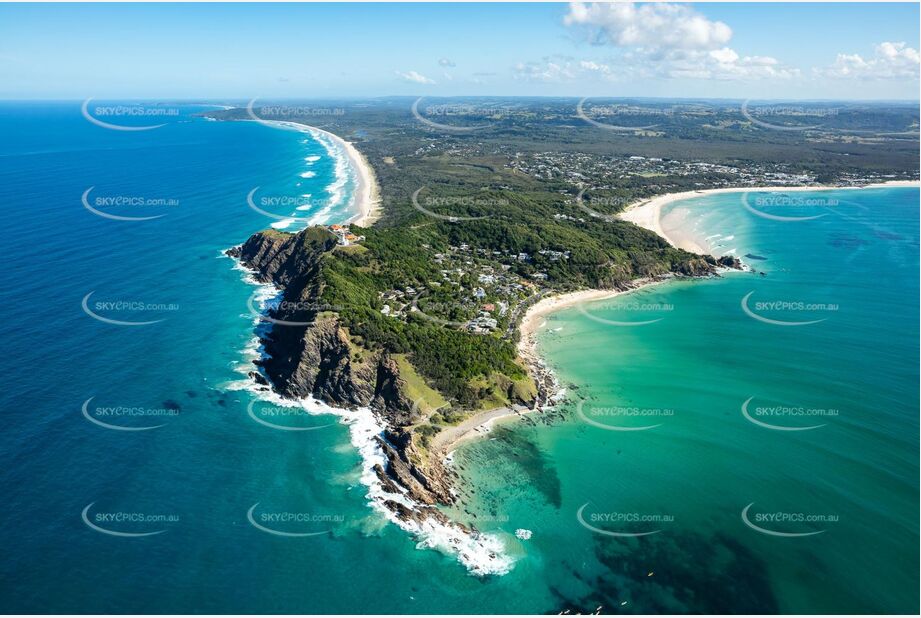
478 290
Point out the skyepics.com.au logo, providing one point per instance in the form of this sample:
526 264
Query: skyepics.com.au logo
624 524
787 524
787 308
117 311
455 117
293 310
626 308
784 117
784 418
455 202
107 206
282 418
122 116
128 418
597 201
266 205
622 117
127 524
788 208
421 408
430 310
293 524
622 418
271 113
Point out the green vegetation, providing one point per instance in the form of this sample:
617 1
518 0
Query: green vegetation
443 294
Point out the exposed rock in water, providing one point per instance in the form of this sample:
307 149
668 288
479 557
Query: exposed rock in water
308 353
705 265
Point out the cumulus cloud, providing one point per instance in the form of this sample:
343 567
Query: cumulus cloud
718 64
414 77
651 26
723 64
446 62
659 40
890 61
548 69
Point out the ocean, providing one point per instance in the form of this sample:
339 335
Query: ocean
141 476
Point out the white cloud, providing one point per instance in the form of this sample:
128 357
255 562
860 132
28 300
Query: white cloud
890 61
446 62
651 26
715 64
723 64
414 77
661 40
550 69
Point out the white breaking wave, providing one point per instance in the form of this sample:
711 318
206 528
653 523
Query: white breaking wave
307 174
480 553
312 158
343 171
280 225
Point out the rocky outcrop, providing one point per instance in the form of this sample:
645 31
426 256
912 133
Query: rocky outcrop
308 352
706 265
426 477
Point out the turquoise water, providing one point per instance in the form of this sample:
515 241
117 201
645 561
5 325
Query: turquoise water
193 480
684 376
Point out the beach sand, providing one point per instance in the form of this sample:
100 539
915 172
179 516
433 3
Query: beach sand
366 195
533 320
648 213
535 316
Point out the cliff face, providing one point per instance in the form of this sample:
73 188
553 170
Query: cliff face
308 353
308 350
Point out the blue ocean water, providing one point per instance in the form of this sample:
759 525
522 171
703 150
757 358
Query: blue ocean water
197 484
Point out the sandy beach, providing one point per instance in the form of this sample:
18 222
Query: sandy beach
535 316
367 192
477 425
647 213
366 195
481 423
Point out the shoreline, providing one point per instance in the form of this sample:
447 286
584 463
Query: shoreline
366 194
647 213
481 423
482 554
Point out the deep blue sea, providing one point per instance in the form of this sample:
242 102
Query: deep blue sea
134 473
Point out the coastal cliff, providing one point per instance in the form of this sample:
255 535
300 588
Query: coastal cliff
312 350
308 352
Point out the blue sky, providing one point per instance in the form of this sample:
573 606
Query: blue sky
242 51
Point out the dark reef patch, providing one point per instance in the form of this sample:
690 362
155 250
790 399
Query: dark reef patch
680 573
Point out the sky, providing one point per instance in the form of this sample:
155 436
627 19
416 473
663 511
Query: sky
245 51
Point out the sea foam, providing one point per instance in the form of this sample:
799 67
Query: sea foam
481 553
